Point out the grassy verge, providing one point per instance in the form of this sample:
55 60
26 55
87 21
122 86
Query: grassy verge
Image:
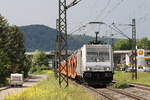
143 77
49 90
42 72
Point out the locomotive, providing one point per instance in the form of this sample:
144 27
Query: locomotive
92 64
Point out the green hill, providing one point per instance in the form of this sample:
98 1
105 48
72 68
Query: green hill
43 38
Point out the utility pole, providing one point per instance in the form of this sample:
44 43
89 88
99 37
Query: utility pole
134 51
61 51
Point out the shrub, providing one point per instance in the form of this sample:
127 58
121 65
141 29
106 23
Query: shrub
39 61
121 85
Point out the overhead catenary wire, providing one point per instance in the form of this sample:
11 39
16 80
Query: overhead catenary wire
119 31
73 3
78 29
112 9
103 10
143 18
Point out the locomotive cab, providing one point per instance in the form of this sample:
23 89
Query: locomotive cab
97 64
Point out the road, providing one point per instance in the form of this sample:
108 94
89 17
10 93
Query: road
33 80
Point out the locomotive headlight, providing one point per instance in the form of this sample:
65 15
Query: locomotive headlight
89 69
107 68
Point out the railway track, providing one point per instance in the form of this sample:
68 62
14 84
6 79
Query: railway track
96 91
136 97
102 93
140 86
111 93
123 95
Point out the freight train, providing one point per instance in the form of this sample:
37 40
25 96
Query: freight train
92 64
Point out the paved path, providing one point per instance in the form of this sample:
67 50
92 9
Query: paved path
33 79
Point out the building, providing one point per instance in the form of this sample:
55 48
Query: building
121 57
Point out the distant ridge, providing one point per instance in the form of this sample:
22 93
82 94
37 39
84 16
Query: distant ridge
42 37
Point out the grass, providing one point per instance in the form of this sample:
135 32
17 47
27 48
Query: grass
49 90
42 72
143 77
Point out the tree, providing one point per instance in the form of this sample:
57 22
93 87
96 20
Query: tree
122 45
4 59
4 66
12 57
39 60
26 67
143 43
16 49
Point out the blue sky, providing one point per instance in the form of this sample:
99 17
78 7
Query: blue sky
26 12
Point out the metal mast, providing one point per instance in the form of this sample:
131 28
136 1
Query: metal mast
133 43
56 59
62 45
61 51
134 52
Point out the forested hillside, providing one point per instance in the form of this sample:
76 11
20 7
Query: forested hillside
43 38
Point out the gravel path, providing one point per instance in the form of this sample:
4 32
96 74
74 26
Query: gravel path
33 79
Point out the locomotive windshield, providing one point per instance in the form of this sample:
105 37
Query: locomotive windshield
95 55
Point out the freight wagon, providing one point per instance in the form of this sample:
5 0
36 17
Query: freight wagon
93 64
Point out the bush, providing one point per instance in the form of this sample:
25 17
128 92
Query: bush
120 85
39 61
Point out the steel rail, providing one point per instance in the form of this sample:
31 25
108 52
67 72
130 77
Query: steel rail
105 95
140 86
102 93
128 94
137 85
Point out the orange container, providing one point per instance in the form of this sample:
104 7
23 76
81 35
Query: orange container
72 65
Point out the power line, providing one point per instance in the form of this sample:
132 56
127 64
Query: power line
78 29
103 10
111 10
144 17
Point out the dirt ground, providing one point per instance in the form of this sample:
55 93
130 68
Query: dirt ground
33 79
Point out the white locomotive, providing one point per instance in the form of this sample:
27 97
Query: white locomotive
95 64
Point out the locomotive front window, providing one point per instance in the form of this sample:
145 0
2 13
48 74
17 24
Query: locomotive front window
104 55
97 56
92 53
